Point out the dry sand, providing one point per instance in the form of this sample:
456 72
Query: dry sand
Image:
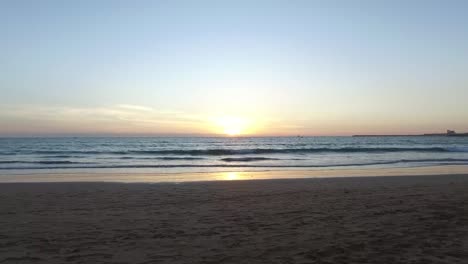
418 219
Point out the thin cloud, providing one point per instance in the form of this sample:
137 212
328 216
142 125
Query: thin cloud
135 107
123 117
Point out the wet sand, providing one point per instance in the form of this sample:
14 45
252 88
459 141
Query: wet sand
404 219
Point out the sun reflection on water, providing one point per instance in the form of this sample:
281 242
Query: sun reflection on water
231 176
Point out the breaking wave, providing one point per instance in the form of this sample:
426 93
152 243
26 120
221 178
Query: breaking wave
447 161
221 152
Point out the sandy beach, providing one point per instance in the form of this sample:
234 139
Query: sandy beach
404 219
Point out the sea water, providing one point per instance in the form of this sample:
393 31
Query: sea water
201 154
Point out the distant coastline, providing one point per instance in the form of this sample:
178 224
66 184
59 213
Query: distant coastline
449 133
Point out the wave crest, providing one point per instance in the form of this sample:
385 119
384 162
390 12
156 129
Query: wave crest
447 161
221 152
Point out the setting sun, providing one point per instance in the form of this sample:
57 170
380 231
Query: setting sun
232 126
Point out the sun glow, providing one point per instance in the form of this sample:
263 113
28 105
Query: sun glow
232 126
231 176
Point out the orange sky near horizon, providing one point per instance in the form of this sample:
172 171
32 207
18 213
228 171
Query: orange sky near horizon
131 120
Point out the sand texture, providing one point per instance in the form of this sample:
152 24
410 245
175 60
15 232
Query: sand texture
418 219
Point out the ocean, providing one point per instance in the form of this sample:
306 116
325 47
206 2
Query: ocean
211 154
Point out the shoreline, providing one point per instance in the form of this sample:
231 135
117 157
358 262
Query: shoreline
178 177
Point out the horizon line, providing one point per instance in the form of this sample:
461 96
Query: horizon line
187 135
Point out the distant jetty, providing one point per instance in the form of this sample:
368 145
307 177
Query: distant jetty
449 133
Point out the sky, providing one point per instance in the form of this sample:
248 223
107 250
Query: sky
233 67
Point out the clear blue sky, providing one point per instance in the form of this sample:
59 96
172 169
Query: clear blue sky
281 67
